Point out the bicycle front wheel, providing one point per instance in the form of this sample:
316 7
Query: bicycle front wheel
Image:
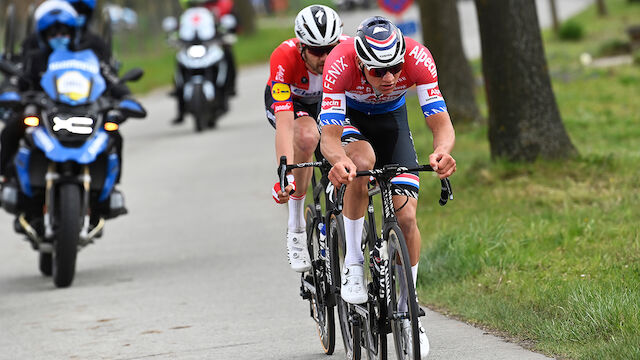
337 245
403 314
321 311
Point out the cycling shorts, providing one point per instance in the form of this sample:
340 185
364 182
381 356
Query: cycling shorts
300 109
392 142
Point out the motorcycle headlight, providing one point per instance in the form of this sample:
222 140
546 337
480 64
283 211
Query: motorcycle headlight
196 51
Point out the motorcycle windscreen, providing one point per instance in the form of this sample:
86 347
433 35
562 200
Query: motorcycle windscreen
197 24
73 78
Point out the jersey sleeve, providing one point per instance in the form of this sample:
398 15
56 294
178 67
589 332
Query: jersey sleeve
335 77
421 68
281 72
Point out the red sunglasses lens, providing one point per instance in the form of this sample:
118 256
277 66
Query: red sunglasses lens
380 72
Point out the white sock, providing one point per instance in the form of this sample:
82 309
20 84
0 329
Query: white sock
353 236
402 300
296 214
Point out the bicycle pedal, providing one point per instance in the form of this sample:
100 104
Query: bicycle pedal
306 295
421 312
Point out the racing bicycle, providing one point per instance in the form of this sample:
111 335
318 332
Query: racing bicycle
365 326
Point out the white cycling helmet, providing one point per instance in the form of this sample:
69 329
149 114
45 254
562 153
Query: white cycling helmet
379 43
318 25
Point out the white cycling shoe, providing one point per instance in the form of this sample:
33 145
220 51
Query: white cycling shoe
297 251
353 290
424 340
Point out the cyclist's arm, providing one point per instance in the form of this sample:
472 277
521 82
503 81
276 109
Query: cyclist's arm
444 136
279 80
443 141
284 135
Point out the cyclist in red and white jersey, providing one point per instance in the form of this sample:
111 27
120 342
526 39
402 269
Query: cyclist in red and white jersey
364 123
292 100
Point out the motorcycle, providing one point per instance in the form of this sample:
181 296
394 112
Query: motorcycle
202 72
67 165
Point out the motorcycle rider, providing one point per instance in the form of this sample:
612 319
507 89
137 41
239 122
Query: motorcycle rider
292 97
218 8
56 28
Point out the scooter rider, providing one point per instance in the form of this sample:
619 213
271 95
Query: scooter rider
292 97
218 8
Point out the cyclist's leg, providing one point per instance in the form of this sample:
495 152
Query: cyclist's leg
305 141
359 150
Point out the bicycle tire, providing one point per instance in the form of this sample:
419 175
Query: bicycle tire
321 311
337 246
407 345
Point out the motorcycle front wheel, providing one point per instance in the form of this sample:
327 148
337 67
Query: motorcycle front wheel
65 243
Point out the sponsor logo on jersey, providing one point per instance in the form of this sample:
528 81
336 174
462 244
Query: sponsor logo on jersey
333 72
422 56
435 92
280 73
287 106
280 92
328 103
302 113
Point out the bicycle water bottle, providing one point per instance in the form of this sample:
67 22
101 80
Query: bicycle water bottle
323 240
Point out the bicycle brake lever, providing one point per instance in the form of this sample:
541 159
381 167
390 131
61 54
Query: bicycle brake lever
340 197
282 173
445 192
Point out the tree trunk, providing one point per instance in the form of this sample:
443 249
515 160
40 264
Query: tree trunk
602 8
524 121
554 16
246 16
441 34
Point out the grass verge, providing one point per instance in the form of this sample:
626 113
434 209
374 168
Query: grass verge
548 252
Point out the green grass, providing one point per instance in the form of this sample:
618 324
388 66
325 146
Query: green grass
548 252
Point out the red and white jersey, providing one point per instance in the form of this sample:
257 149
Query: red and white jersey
344 84
291 79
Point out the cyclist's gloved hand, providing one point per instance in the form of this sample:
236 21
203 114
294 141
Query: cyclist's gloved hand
442 163
283 197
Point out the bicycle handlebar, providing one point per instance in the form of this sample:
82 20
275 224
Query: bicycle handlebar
389 171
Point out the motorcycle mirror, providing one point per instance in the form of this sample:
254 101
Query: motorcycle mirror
132 75
169 24
10 99
131 109
228 22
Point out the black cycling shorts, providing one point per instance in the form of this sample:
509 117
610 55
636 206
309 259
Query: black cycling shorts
299 109
391 139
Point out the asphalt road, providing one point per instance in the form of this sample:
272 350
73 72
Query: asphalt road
197 269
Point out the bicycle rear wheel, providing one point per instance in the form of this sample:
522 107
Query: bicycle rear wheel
337 245
404 323
321 311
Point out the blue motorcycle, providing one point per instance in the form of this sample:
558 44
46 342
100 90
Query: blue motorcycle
67 164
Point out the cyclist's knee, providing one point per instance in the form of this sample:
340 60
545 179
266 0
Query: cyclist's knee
307 140
407 216
363 161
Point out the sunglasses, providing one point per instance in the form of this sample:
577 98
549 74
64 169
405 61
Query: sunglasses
380 72
57 31
319 50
